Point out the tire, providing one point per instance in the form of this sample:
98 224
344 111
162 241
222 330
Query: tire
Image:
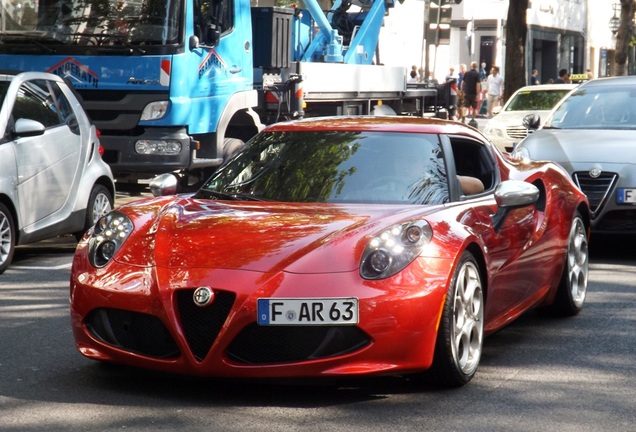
99 204
573 286
7 238
231 146
461 331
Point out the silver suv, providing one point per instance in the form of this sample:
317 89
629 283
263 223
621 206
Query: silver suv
53 180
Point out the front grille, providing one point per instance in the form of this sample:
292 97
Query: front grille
201 325
285 344
618 221
132 331
517 132
597 189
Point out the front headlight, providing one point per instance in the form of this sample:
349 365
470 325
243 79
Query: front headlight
109 234
394 249
494 132
521 154
154 110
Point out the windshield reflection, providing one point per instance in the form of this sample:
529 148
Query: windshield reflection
336 167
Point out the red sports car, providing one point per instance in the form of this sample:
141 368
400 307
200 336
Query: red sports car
333 247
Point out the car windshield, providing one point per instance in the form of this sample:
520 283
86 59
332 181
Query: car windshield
596 107
335 167
533 100
105 23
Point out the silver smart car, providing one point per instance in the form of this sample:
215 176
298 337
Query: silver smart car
53 180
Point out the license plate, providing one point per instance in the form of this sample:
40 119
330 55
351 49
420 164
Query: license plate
626 196
307 311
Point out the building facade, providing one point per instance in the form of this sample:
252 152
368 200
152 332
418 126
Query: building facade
562 34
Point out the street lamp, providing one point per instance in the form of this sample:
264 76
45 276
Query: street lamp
615 22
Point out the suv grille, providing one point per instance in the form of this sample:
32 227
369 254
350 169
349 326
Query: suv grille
517 132
597 189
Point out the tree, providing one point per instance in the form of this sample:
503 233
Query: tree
516 34
623 37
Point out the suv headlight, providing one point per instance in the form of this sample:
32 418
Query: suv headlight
109 234
521 154
395 248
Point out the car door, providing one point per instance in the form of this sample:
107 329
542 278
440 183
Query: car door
47 162
510 246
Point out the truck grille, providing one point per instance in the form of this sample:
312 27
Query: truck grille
201 325
597 189
285 344
132 331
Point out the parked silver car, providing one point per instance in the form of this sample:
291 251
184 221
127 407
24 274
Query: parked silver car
53 180
592 134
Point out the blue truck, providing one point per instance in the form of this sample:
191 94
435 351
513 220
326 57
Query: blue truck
179 85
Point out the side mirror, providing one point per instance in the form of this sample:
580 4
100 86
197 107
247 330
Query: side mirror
164 184
193 42
532 121
27 128
512 194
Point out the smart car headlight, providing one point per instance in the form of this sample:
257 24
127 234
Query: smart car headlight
109 233
393 249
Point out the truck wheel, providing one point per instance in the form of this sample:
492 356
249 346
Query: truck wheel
7 238
231 146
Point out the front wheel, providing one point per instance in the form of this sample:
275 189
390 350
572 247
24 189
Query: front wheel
100 203
461 332
7 238
573 286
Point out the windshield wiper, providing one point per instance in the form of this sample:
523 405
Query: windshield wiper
209 194
38 40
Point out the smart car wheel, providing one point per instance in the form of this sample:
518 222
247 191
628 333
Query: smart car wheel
100 203
7 238
460 339
573 286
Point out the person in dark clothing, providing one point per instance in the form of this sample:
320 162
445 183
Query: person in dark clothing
564 77
471 88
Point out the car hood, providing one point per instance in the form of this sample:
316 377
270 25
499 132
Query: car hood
255 236
582 145
513 118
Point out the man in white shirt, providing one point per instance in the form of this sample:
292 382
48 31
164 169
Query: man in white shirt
495 89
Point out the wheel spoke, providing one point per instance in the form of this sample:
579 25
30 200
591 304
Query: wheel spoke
578 262
468 318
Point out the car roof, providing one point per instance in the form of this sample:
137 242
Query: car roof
544 87
405 124
629 81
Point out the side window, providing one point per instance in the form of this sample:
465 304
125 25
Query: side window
215 17
65 112
473 160
35 102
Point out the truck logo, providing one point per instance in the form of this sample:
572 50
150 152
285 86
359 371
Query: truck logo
211 61
79 75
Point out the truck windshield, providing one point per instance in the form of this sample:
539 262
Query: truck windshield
102 23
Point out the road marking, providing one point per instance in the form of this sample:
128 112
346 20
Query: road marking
58 267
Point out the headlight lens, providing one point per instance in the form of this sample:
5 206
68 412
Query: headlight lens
109 234
521 154
395 248
155 110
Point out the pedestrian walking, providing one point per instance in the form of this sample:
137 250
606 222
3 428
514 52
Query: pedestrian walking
471 88
495 89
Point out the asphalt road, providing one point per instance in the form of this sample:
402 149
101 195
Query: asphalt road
538 374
